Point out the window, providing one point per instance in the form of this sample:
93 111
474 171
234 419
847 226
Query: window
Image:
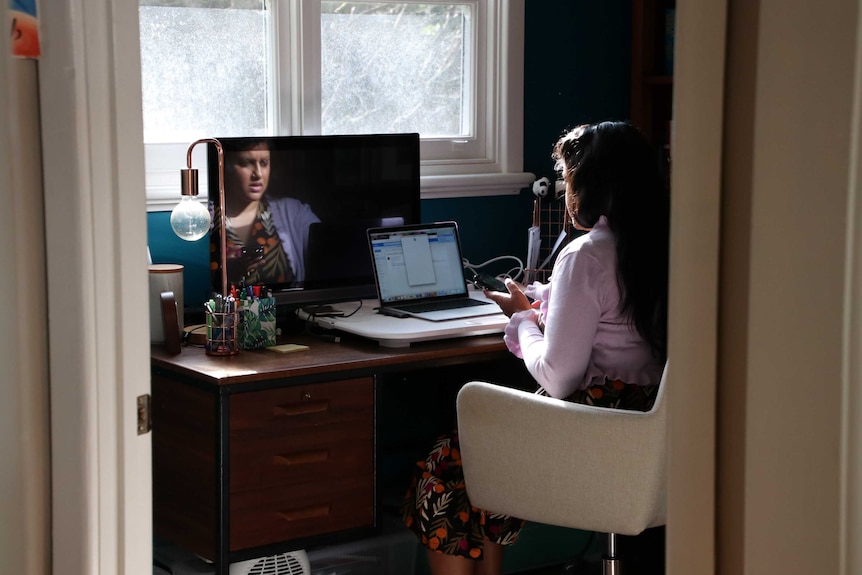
204 69
450 71
417 79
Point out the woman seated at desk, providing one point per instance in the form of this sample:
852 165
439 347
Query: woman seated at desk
598 335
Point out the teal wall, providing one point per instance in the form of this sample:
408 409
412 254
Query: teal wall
166 247
577 59
577 65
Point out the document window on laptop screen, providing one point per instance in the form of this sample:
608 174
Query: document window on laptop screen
416 264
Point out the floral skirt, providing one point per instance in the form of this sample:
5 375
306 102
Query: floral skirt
437 509
616 394
436 506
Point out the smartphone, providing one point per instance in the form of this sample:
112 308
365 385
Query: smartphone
489 282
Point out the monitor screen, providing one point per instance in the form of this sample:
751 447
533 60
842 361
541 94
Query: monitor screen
298 208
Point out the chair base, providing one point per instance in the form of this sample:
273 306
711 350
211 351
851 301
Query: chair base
610 563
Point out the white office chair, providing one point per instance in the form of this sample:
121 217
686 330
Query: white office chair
566 464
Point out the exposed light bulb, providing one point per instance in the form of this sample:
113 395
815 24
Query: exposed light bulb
190 220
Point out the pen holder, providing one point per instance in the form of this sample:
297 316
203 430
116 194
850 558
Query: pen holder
222 333
257 323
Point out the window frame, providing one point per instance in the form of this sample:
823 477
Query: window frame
453 154
491 164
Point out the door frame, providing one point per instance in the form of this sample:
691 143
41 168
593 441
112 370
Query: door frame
696 149
95 214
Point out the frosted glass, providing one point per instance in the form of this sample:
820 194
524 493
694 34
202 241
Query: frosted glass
395 68
204 72
385 68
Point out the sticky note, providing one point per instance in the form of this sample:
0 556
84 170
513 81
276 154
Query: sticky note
288 347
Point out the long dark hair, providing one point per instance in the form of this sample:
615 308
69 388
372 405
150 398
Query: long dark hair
615 172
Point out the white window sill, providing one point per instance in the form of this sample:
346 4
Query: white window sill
466 185
164 198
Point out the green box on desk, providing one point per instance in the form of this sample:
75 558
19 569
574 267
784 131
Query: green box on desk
257 323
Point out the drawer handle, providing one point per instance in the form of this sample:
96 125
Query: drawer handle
302 408
303 457
305 513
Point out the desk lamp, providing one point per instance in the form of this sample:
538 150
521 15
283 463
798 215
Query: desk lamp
190 220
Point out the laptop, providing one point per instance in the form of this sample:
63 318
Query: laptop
418 272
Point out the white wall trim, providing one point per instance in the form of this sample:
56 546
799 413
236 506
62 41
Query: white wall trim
165 198
784 286
694 265
851 450
97 280
436 187
11 475
24 443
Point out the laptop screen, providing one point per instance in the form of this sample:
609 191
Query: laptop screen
417 262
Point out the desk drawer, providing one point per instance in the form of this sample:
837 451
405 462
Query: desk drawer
273 515
306 433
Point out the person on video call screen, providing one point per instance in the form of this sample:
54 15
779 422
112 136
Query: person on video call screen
266 236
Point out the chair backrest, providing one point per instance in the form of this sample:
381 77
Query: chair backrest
561 463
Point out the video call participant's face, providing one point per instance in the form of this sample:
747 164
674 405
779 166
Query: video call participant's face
247 174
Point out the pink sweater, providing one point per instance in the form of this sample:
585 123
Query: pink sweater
585 339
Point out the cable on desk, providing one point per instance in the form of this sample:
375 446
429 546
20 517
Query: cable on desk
514 273
311 327
358 307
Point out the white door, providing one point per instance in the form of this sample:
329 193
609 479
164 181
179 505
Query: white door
95 214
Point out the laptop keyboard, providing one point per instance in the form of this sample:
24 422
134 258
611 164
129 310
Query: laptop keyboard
439 305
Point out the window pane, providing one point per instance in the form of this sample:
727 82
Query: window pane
388 67
204 69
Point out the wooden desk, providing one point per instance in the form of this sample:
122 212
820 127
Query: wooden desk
263 452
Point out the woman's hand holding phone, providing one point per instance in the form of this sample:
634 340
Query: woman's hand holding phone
488 282
512 301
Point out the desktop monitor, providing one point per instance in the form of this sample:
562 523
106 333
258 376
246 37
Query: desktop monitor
321 194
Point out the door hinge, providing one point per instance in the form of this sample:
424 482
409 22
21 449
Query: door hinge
145 421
